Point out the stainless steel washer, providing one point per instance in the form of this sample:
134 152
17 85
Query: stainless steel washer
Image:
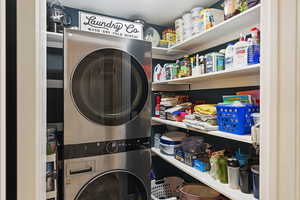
107 87
115 175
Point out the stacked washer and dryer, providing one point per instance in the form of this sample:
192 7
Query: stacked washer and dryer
106 117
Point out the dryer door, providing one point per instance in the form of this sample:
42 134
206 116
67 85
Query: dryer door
109 87
116 185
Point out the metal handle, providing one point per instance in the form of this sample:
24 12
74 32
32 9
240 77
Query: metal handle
81 171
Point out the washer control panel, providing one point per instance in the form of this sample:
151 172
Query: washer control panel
107 147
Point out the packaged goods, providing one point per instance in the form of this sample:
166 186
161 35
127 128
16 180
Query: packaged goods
164 43
211 17
174 71
185 68
240 58
187 26
169 35
229 53
196 17
169 141
241 98
206 109
179 30
251 3
214 62
231 8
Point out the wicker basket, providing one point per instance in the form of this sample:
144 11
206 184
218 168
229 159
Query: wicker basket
166 188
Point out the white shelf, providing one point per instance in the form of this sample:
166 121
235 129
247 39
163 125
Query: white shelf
51 195
240 138
51 158
166 53
230 73
221 32
54 83
205 178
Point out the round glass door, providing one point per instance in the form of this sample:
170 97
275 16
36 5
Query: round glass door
119 185
109 87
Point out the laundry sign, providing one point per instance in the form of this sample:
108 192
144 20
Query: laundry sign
110 26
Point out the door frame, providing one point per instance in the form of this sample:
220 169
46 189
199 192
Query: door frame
2 100
31 99
280 90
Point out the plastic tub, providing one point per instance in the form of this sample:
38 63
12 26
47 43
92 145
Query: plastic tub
192 144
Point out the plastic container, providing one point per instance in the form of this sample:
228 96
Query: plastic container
211 17
214 62
157 73
245 179
196 20
166 188
240 58
256 118
233 173
255 179
171 140
229 53
192 144
179 29
234 119
231 8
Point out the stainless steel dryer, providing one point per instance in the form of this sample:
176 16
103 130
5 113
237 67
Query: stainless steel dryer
107 87
107 83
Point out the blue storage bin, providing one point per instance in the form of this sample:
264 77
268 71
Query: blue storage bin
237 120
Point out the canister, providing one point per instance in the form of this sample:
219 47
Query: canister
196 20
245 179
233 173
255 179
179 29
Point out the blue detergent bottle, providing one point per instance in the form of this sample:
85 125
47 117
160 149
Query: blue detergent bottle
254 48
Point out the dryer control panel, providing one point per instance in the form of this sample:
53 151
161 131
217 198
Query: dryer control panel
107 147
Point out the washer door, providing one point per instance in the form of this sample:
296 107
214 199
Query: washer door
109 87
117 185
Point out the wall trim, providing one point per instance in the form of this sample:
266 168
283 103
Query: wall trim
280 101
2 100
31 101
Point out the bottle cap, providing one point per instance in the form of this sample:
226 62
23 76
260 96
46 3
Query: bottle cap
232 162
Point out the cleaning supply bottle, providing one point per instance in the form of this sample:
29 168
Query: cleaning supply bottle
254 47
196 70
240 58
229 53
157 106
157 73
